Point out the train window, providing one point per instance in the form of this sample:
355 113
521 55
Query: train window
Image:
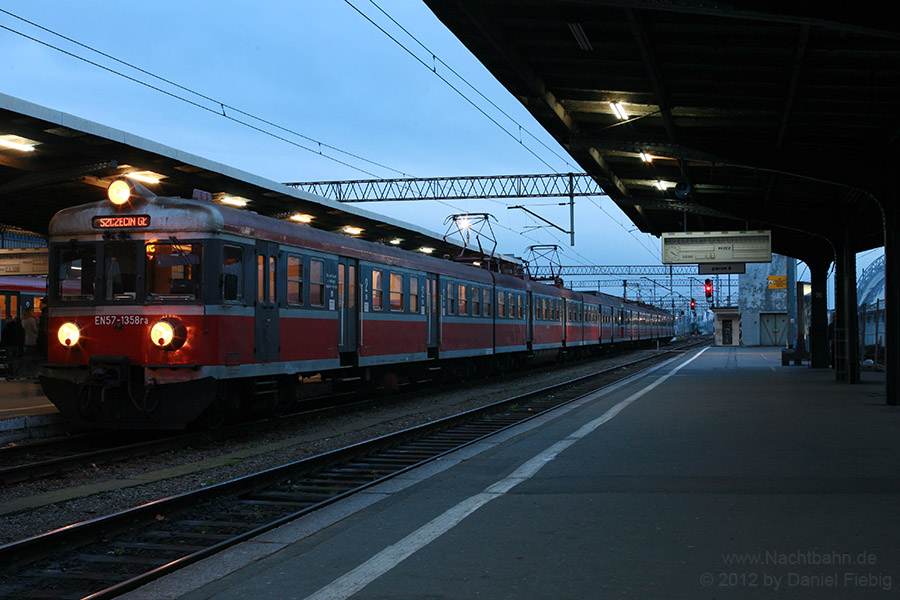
451 298
486 301
351 287
120 271
173 271
396 292
272 279
232 273
511 305
295 280
520 302
260 278
463 300
77 268
316 282
476 302
377 289
501 304
413 294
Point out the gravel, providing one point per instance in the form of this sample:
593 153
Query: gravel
256 452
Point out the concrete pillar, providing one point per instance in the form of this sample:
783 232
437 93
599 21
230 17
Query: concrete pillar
819 357
846 332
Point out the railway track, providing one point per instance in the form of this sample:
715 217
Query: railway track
58 456
108 556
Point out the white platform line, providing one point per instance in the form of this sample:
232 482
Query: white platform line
355 580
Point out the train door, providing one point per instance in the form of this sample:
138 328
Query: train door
347 306
267 326
433 312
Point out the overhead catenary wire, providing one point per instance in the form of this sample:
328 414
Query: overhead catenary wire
218 103
228 111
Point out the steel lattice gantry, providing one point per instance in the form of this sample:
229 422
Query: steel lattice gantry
455 188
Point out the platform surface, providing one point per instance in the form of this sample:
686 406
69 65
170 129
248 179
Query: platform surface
719 475
23 398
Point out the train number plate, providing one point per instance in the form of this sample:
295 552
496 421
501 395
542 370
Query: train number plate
119 320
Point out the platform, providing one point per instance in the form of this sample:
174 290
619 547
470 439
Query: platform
721 474
24 409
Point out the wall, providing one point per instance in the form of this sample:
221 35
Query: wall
756 298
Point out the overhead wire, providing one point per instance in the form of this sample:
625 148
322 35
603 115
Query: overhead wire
214 101
228 107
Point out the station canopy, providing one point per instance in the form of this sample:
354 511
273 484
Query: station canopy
72 161
754 115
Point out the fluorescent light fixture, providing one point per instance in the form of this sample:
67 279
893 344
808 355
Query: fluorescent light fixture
396 241
301 218
583 42
14 142
349 229
619 111
145 176
234 201
426 250
646 157
661 185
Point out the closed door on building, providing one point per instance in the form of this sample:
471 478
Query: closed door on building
772 329
727 338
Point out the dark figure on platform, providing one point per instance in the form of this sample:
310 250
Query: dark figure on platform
29 364
13 342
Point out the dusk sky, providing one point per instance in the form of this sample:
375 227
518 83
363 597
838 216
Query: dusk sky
319 69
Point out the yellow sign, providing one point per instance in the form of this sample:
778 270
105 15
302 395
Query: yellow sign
777 282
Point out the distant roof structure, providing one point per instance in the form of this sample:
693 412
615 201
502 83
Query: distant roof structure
73 161
780 116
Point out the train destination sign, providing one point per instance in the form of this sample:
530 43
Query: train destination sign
706 247
121 222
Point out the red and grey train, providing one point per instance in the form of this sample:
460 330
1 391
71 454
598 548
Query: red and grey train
164 310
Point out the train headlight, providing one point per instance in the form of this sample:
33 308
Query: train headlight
168 334
119 192
68 334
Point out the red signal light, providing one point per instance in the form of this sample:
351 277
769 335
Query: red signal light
708 288
693 304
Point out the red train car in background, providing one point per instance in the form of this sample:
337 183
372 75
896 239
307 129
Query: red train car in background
167 310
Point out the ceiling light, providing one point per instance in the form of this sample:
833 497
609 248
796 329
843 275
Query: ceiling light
583 42
396 241
234 201
661 185
618 111
426 250
145 177
302 218
349 229
14 142
646 157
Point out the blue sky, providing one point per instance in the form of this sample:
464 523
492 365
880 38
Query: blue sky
324 71
319 69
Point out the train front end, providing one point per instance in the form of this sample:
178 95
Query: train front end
127 314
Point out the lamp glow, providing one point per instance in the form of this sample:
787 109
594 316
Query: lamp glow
68 334
119 192
162 333
619 111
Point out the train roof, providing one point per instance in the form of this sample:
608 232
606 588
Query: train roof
181 216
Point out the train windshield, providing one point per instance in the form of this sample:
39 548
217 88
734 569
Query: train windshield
173 271
77 270
120 272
